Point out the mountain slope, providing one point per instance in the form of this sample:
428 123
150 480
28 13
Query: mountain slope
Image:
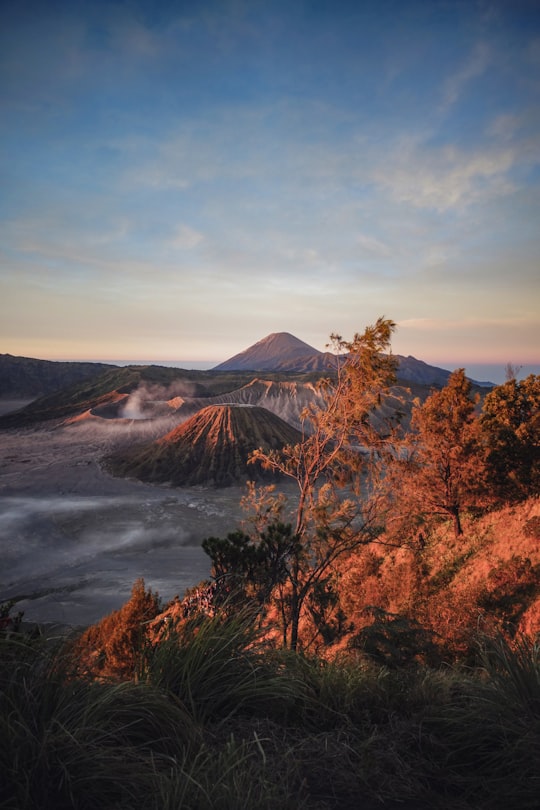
111 387
26 377
282 352
288 385
409 369
210 448
488 579
270 353
285 399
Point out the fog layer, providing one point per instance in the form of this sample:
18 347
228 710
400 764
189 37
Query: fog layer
73 539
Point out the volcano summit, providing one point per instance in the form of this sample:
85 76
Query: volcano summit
210 448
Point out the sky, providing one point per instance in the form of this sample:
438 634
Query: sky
181 179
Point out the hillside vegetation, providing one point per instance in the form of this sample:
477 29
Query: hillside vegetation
207 717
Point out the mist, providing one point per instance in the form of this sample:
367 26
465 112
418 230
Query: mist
70 559
74 539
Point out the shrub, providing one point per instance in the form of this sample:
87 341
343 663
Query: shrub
510 588
113 647
395 640
532 527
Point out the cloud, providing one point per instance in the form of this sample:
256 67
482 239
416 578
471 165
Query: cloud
372 246
533 52
186 238
444 324
504 127
475 65
446 178
478 338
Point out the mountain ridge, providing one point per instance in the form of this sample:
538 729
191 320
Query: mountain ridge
77 387
30 377
283 352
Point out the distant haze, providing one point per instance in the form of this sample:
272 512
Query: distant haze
493 372
190 364
483 372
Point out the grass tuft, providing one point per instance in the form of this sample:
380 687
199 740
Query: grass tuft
218 667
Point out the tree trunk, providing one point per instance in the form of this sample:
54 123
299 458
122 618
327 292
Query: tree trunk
458 530
295 619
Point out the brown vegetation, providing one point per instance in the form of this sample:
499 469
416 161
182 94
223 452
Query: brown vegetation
488 579
112 647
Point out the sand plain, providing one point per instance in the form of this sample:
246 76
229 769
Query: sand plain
73 539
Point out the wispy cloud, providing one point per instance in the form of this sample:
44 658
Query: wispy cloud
186 238
449 324
475 65
446 178
373 246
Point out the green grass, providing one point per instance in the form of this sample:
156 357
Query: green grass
68 743
215 720
218 667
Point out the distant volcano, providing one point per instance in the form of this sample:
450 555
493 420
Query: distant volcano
279 351
210 448
283 352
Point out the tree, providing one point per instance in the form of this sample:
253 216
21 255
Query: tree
439 470
336 467
113 647
511 434
244 570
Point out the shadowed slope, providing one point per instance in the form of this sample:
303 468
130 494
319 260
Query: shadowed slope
22 377
210 448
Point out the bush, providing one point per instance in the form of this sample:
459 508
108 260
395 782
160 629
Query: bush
113 647
395 641
510 588
532 527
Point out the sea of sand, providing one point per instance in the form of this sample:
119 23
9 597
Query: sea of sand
73 539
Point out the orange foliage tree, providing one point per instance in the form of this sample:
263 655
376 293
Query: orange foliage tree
336 467
511 434
439 469
113 647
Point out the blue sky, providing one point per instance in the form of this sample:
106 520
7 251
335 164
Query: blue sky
180 179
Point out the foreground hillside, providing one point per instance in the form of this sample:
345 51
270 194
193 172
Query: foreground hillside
204 714
193 710
487 579
417 603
